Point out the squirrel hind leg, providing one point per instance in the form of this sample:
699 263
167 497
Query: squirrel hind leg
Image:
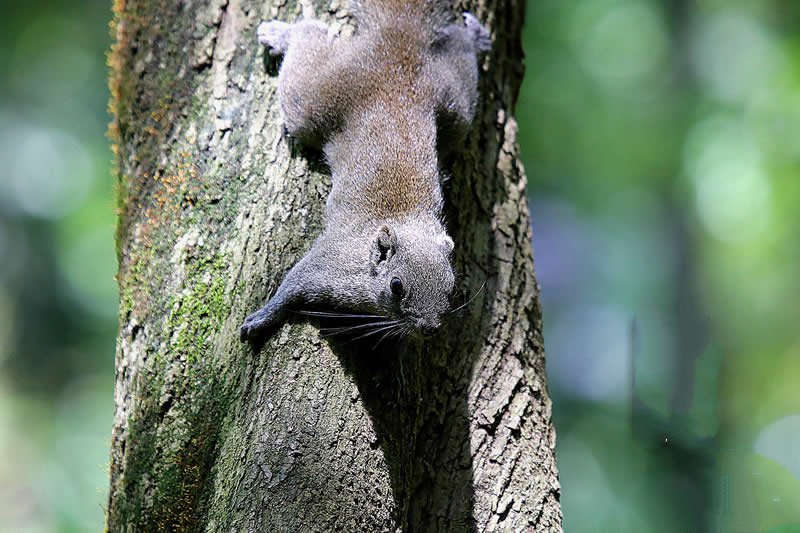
309 79
453 71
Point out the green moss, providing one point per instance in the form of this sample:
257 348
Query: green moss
130 284
180 485
172 443
171 446
169 461
198 313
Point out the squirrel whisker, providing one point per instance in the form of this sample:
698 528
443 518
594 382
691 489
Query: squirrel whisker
335 331
404 330
472 298
392 332
336 315
375 331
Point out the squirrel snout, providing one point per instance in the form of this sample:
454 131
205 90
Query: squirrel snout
428 326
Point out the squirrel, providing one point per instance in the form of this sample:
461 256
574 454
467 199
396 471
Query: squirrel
379 105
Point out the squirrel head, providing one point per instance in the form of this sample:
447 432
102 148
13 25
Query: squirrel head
411 273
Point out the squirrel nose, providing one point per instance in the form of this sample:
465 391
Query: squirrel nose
428 326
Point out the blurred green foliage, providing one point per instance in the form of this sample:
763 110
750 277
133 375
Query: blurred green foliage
662 142
58 302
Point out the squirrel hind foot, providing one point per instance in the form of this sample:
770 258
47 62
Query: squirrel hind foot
480 35
274 34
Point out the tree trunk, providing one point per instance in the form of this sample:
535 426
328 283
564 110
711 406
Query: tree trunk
307 433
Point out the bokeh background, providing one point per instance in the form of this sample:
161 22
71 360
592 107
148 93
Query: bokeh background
662 144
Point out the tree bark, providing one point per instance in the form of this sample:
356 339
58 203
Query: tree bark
307 433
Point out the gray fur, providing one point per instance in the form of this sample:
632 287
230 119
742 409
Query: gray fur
376 104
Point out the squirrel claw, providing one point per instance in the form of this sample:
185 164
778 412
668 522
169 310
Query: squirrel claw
244 333
252 325
259 322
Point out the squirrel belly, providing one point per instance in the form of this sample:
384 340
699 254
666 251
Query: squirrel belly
376 104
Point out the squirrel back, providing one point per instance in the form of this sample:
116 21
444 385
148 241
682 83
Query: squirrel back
429 15
410 95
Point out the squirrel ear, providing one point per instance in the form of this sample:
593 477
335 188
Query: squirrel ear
384 246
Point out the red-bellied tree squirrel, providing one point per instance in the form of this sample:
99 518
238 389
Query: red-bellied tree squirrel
378 104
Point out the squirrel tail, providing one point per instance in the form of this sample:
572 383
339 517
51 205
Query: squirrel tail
429 14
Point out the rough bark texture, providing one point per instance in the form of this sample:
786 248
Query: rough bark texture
307 433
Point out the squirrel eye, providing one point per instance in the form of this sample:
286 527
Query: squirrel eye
397 286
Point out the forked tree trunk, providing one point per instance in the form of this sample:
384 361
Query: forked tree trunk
308 433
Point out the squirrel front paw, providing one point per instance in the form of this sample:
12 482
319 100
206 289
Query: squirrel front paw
274 34
255 324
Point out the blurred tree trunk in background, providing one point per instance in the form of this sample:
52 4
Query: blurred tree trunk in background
306 434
